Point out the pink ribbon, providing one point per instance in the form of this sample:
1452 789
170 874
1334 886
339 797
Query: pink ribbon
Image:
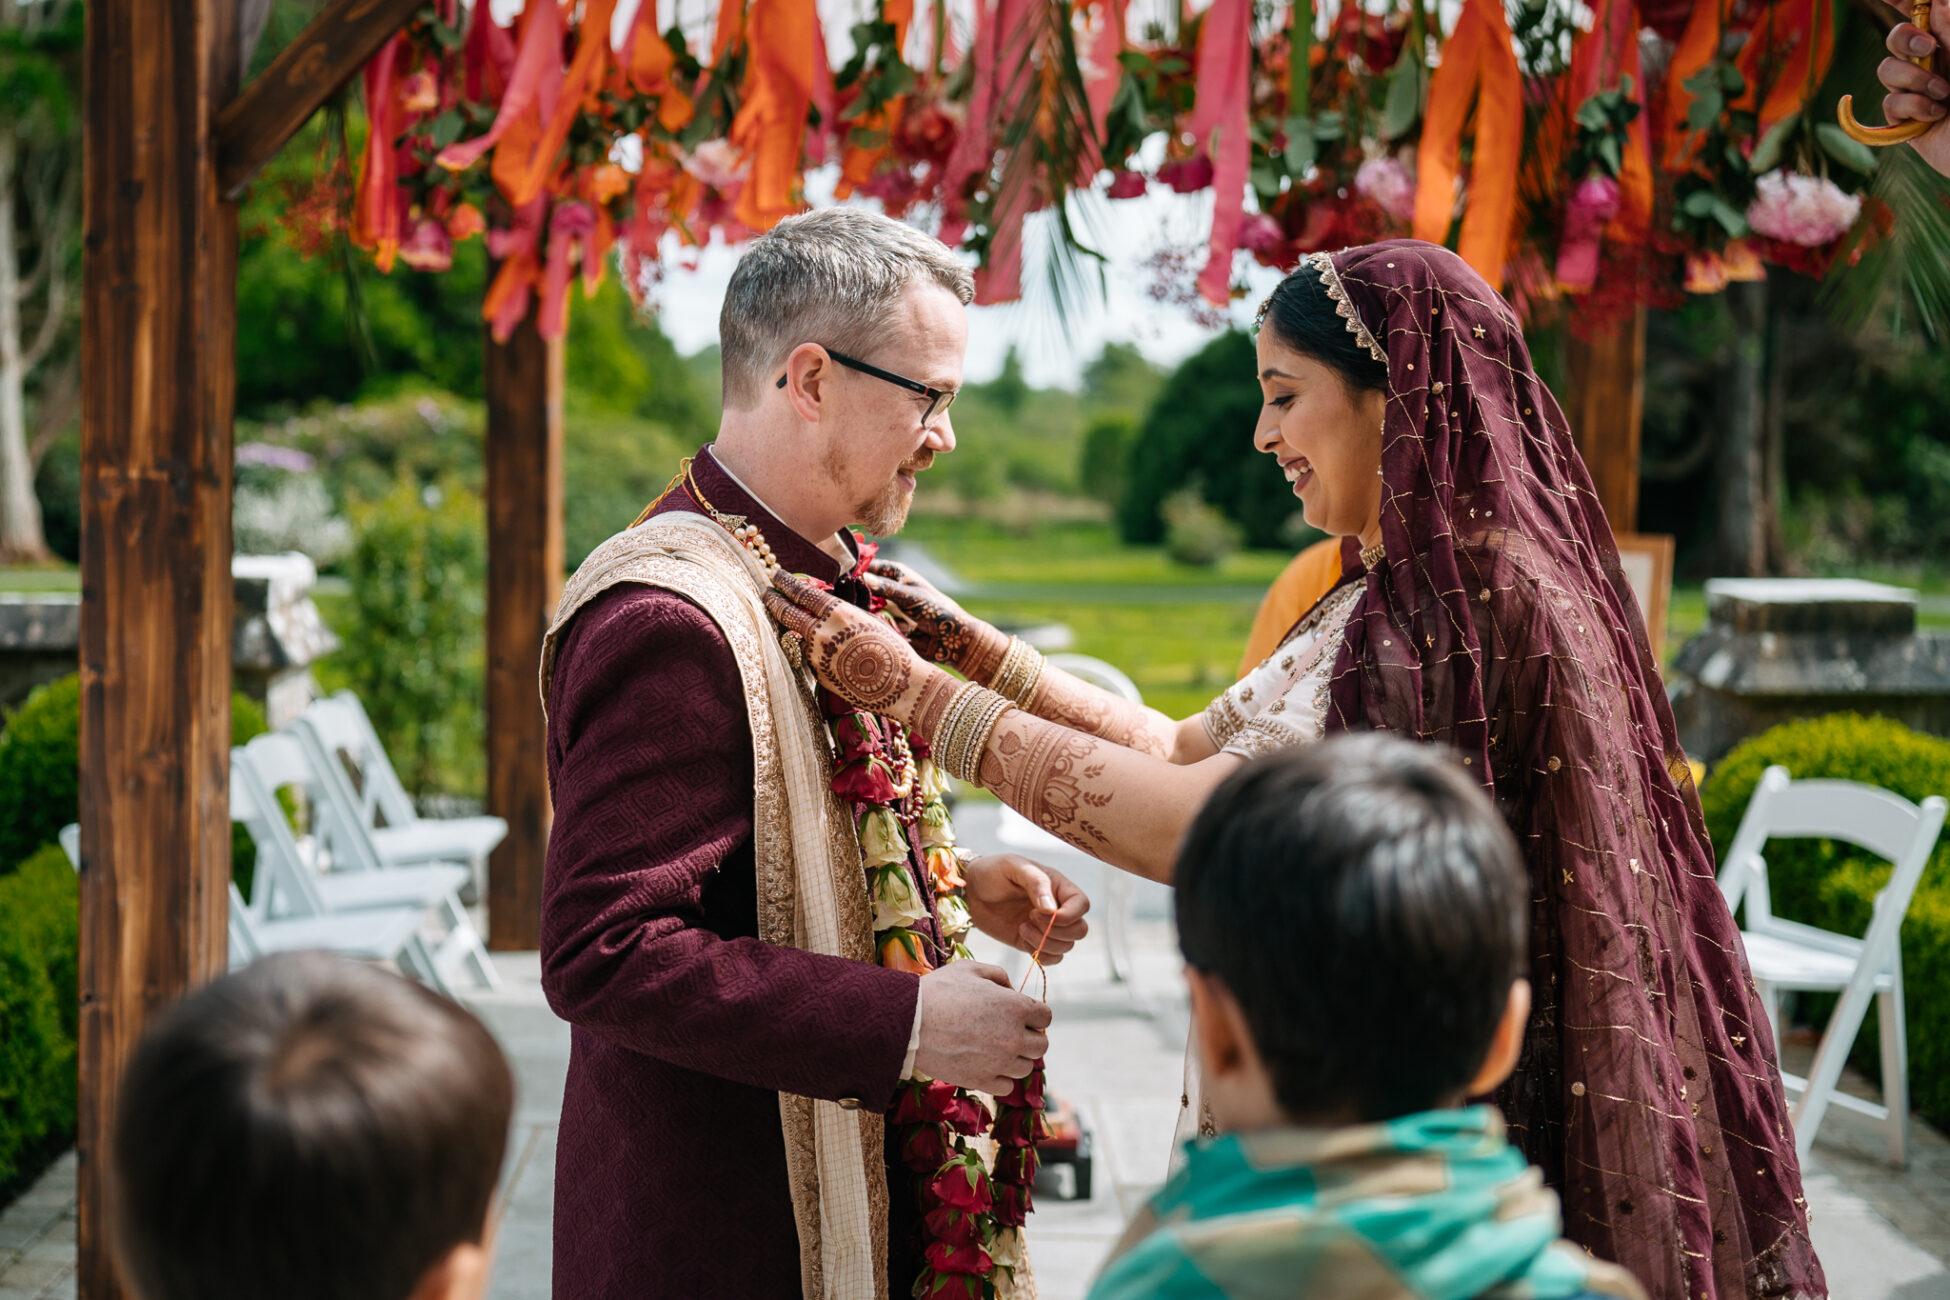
536 78
1224 90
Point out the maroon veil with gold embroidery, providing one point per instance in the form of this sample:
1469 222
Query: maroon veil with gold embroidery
1501 624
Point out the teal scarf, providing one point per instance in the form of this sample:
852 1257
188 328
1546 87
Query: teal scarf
1435 1206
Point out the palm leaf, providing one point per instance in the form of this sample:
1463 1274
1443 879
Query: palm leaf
1905 274
1048 140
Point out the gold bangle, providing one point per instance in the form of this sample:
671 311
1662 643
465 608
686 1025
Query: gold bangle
967 741
978 744
1021 672
957 705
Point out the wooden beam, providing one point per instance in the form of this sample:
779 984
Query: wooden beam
524 517
335 45
159 351
1607 407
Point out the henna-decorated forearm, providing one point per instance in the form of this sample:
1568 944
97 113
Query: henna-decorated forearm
1066 699
1124 806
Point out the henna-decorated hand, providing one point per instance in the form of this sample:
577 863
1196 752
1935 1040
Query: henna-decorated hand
855 654
1025 904
936 626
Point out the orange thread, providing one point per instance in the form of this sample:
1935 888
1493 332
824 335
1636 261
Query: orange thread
1036 961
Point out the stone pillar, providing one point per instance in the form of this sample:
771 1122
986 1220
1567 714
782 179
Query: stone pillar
278 633
1777 649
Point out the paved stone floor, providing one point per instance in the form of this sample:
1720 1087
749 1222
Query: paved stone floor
1117 1052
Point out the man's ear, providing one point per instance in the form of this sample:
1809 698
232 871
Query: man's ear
1224 1046
460 1274
1506 1044
807 371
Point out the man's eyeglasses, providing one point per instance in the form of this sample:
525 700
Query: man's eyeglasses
939 399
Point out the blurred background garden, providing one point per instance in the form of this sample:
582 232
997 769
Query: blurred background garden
1795 423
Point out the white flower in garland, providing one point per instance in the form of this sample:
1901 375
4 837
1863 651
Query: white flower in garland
881 840
897 905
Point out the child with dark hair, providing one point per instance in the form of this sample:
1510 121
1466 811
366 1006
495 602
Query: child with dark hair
310 1129
1354 920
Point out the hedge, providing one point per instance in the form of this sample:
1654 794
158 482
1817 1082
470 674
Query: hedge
39 942
1822 883
40 767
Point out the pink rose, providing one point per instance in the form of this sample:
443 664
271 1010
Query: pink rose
419 93
1806 210
1385 183
1259 233
427 246
1126 185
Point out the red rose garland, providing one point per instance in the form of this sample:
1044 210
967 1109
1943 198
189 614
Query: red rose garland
972 1216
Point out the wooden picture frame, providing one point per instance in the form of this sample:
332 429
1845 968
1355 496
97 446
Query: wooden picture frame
1647 558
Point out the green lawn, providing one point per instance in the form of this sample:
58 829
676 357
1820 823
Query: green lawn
52 578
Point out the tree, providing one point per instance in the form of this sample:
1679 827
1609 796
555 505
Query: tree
40 217
1199 434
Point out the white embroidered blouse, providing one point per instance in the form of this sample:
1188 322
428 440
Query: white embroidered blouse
1283 702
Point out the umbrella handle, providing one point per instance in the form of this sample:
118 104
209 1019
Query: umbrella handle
1887 135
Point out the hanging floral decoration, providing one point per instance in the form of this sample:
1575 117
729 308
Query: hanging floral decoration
973 1206
1609 155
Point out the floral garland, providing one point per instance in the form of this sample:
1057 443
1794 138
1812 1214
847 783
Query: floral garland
973 1214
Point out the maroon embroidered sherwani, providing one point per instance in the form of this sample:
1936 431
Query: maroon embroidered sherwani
671 1172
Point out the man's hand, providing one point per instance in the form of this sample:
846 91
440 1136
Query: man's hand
1012 899
976 1031
1921 94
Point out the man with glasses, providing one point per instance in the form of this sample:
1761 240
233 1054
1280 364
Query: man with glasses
734 1042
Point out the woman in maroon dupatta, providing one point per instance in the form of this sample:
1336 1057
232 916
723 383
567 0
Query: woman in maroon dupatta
1489 614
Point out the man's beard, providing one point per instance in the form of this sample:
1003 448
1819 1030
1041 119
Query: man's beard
885 512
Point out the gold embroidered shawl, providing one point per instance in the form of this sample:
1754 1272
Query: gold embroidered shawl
810 890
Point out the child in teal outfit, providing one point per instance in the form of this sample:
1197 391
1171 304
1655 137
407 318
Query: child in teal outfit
1353 916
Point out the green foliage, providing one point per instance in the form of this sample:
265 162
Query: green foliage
39 943
1200 434
1833 886
57 483
413 636
40 769
612 466
1196 535
1104 465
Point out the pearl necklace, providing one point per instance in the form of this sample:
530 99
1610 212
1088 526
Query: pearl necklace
748 534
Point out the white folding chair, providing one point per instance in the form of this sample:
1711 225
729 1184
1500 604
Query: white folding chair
1786 955
1023 836
392 935
288 884
341 736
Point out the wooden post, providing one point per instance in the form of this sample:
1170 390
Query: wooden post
524 515
1607 405
159 353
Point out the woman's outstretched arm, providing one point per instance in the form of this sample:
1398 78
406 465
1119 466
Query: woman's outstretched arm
1117 803
941 630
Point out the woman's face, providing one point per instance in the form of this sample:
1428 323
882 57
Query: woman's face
1326 438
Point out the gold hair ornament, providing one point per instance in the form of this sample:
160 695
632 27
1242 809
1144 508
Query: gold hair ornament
1903 132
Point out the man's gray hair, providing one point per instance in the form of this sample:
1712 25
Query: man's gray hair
829 277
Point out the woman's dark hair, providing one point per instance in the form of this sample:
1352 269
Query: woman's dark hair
306 1128
1366 906
1302 317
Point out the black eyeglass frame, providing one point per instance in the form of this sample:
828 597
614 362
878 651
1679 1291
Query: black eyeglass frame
939 399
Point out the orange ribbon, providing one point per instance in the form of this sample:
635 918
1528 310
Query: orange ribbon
771 124
1806 28
1478 66
858 162
1698 44
376 207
